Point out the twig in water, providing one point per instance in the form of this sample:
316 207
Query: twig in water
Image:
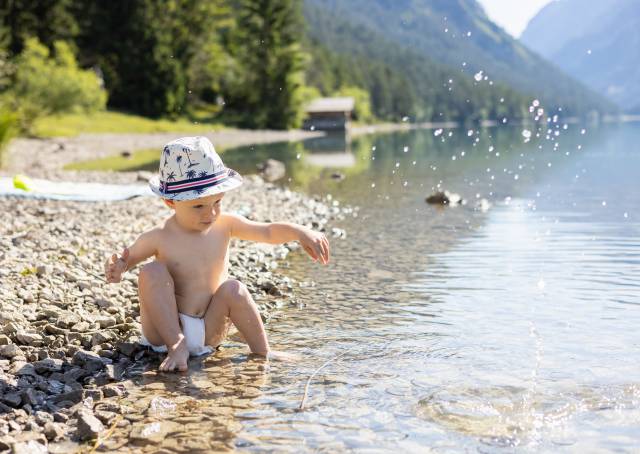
306 387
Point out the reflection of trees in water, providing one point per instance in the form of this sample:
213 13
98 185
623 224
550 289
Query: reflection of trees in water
381 159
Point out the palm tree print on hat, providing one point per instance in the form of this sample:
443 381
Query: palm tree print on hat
190 174
179 160
171 176
187 151
202 174
166 153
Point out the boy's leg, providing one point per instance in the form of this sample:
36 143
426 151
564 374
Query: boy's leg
159 314
233 301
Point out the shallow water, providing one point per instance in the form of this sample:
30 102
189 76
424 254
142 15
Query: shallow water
457 329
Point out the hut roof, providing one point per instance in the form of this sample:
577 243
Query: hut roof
331 105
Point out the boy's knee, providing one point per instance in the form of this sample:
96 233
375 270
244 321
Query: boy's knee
152 273
234 290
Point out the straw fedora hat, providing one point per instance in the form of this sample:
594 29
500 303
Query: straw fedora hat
190 169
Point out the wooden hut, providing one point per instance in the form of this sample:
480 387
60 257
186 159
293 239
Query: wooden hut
329 114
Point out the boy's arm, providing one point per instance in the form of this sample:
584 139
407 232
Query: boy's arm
143 248
315 243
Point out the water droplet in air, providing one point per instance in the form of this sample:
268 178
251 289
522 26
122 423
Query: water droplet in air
406 149
470 132
526 133
535 103
298 156
478 76
373 185
437 132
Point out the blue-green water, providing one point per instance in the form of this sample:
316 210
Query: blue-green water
451 329
470 330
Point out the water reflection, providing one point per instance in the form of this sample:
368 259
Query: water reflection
454 329
466 330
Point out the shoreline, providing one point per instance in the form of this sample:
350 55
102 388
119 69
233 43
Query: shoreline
45 158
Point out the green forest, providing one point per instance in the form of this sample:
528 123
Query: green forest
247 63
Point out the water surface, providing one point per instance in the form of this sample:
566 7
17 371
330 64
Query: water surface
457 329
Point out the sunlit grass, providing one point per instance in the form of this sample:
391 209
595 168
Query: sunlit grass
114 122
142 159
145 159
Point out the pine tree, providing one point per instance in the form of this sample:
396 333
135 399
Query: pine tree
267 45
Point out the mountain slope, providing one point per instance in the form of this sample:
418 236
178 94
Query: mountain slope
458 33
603 52
400 82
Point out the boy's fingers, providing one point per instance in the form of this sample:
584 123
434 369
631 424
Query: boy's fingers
311 252
325 249
125 254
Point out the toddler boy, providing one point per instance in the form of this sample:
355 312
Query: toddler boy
186 296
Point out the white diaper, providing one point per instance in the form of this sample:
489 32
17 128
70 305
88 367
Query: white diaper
193 330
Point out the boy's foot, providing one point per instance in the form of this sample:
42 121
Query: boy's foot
176 358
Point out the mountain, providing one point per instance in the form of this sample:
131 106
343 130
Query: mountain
598 45
399 81
458 34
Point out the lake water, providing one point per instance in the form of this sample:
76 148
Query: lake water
512 328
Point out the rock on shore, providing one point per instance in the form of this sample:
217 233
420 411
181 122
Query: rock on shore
66 336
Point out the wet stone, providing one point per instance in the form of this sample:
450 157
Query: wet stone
90 361
29 339
13 399
89 427
48 365
153 432
106 417
32 397
74 397
10 351
29 447
60 417
43 417
53 431
21 368
113 390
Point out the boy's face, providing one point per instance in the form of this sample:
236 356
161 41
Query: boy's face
198 214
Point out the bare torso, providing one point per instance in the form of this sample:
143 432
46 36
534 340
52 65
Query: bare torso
197 261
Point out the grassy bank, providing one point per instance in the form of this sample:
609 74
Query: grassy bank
138 160
114 122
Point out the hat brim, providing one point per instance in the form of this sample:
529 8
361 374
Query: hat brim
232 181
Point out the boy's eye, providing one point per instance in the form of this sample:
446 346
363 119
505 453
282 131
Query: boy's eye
197 206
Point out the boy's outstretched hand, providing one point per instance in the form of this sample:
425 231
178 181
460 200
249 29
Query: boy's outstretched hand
316 245
116 266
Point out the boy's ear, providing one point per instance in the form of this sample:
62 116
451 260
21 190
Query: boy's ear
169 203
